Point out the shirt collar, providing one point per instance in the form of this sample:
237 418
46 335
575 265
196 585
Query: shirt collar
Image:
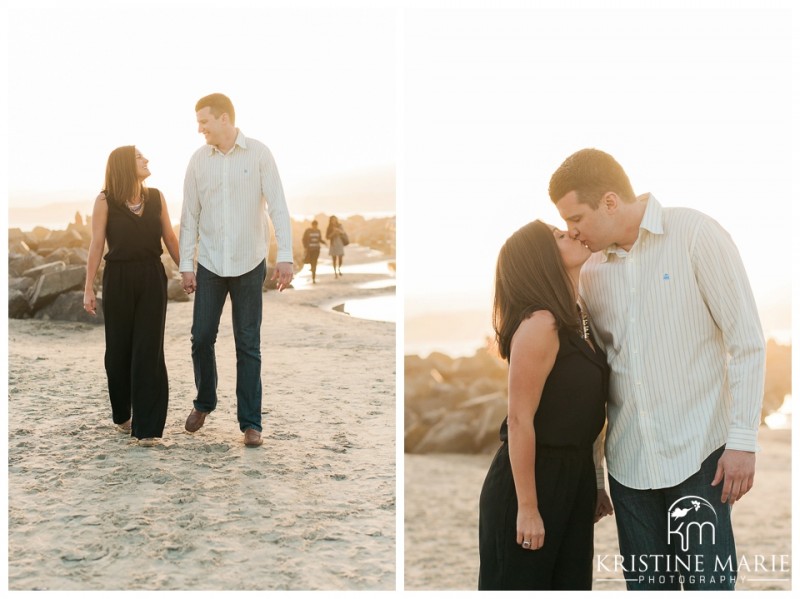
652 222
241 141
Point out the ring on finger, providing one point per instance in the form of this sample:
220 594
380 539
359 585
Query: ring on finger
526 544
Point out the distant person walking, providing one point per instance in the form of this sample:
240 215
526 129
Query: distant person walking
338 239
312 238
230 183
133 220
545 487
672 307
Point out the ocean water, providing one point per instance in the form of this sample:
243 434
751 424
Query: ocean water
378 307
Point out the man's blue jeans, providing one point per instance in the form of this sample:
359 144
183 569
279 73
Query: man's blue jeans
246 303
677 537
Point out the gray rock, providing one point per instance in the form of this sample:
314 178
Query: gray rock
51 285
70 256
22 284
18 248
69 306
15 234
39 234
85 232
60 239
45 268
18 265
18 304
452 434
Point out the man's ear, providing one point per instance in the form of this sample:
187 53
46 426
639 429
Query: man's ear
610 201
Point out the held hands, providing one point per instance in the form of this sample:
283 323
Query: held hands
283 273
90 302
737 469
604 507
189 282
530 529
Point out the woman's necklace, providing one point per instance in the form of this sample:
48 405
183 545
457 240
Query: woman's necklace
584 322
135 208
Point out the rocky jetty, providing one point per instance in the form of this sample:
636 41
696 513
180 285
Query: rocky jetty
47 272
456 405
47 268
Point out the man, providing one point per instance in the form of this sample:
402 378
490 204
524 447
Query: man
312 238
673 308
228 183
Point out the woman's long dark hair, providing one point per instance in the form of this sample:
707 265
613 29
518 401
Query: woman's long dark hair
531 276
122 184
332 222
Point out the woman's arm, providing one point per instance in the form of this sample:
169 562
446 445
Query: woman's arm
533 353
98 243
603 505
167 234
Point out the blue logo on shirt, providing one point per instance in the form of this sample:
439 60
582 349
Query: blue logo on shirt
666 277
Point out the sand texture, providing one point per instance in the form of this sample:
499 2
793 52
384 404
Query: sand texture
441 522
313 508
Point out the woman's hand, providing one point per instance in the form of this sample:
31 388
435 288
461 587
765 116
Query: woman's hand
604 507
530 529
90 302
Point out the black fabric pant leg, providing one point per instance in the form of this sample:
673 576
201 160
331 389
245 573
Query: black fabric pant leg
313 257
573 568
118 311
149 382
566 497
134 306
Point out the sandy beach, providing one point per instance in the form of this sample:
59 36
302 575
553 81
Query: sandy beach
441 522
313 508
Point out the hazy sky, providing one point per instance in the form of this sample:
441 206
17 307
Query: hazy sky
316 85
694 101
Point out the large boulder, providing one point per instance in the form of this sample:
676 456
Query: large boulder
60 239
45 268
15 234
452 434
18 265
39 234
18 248
52 284
84 231
69 306
22 284
69 256
18 304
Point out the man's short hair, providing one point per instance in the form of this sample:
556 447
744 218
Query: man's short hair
590 173
219 104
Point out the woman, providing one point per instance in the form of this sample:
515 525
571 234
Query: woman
540 499
336 234
134 220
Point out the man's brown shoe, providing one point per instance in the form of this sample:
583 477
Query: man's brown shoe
252 438
195 420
